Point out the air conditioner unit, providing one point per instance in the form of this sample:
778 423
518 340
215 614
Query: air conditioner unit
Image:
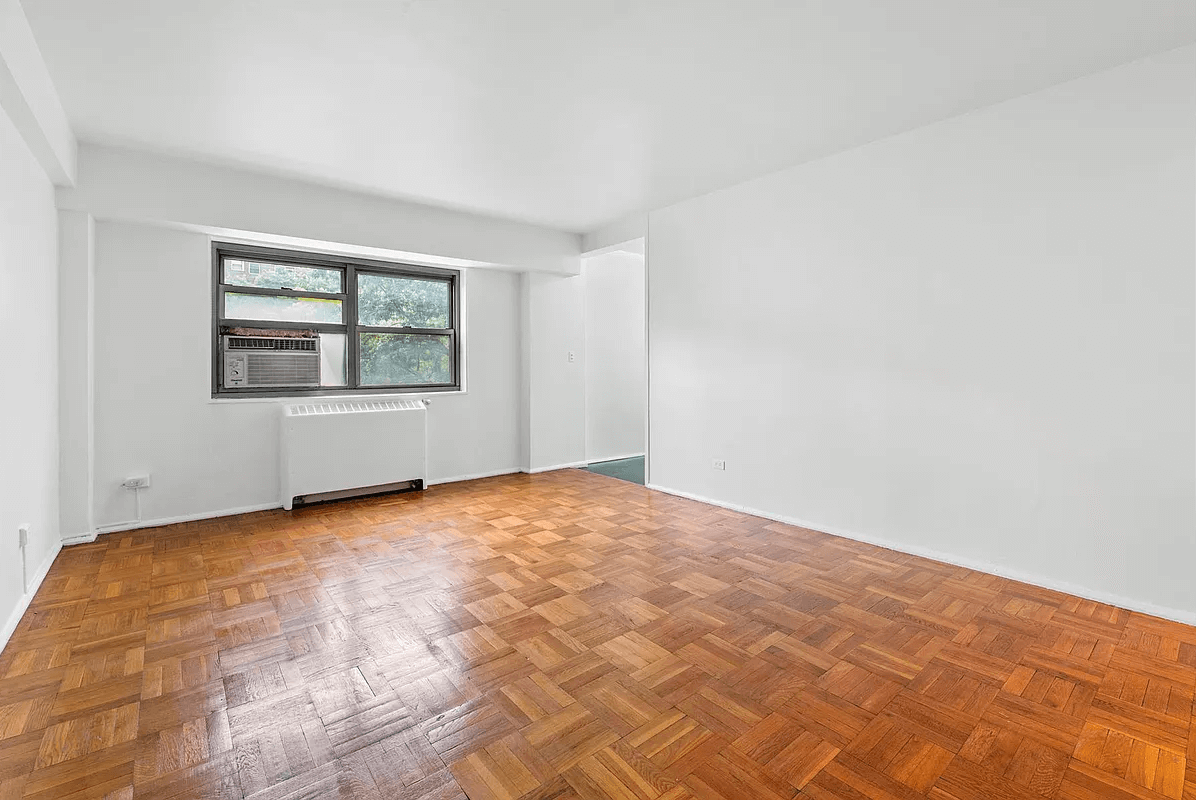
252 362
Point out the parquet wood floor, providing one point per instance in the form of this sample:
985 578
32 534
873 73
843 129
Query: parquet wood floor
569 635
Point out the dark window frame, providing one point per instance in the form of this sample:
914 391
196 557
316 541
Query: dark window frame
349 269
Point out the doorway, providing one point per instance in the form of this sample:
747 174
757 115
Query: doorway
616 362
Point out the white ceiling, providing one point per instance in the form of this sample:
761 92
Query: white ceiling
566 113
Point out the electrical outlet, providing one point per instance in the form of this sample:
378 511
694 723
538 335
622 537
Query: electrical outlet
572 357
136 482
720 464
22 535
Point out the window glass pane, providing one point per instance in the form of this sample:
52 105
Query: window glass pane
281 309
403 359
332 359
402 302
238 272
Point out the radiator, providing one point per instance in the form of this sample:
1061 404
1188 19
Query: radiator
334 447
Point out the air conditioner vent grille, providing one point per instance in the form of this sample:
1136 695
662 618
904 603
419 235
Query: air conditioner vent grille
283 371
270 343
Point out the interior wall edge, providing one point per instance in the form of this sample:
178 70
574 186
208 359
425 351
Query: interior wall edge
196 517
555 467
989 568
494 473
120 527
14 619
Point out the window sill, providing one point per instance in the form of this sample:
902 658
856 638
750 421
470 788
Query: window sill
332 398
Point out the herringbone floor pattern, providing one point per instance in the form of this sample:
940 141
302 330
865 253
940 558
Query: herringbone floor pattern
569 635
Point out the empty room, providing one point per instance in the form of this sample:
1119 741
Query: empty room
598 399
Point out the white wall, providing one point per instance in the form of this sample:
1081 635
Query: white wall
28 97
153 408
29 404
118 184
554 327
76 373
975 339
615 234
616 358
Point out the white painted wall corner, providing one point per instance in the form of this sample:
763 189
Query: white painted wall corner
14 618
1186 617
476 476
160 521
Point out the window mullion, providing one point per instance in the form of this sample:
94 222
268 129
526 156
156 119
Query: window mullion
407 331
353 367
260 291
319 327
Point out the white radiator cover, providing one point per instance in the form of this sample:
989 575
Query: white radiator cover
337 446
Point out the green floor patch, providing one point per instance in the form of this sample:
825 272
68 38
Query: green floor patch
625 469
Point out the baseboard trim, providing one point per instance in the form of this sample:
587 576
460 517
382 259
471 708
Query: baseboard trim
160 521
555 467
230 512
1127 603
14 619
475 476
614 458
118 527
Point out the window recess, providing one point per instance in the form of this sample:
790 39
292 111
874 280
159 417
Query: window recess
353 326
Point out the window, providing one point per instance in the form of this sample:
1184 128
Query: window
293 324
